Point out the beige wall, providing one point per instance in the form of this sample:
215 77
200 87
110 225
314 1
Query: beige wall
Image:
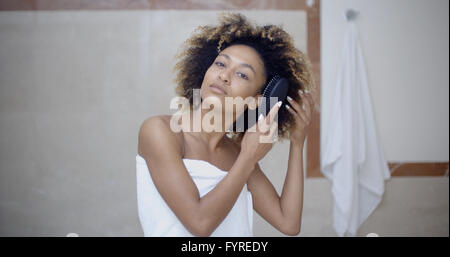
75 86
405 45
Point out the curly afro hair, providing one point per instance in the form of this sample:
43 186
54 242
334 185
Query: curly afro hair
274 45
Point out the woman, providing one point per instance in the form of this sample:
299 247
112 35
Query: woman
206 183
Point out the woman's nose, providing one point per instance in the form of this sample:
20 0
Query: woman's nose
224 76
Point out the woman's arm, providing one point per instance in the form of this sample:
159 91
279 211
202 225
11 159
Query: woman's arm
285 212
292 194
163 154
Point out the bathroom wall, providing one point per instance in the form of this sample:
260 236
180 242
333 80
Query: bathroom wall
405 45
75 88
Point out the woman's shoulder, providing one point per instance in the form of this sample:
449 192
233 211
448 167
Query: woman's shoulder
159 127
157 120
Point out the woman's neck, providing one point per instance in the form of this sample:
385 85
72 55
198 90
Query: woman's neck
205 128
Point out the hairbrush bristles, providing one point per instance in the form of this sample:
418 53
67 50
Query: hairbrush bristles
270 85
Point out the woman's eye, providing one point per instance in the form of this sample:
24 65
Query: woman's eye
220 64
242 75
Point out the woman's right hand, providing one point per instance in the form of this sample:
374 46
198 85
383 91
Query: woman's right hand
258 140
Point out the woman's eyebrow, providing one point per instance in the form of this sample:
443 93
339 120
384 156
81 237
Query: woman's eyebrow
242 64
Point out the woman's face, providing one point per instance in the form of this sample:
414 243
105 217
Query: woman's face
237 71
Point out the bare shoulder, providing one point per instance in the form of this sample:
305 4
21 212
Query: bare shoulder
156 130
156 122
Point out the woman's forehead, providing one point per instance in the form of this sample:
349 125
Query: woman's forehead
244 54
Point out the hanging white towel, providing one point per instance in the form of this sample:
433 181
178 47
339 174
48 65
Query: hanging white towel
352 157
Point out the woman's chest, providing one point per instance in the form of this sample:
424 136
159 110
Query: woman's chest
223 158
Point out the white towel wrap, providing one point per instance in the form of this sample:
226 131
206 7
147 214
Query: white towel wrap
157 219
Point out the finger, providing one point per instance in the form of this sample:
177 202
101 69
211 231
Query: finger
267 138
296 116
261 124
298 109
303 114
293 112
294 104
273 134
272 113
308 104
263 127
264 122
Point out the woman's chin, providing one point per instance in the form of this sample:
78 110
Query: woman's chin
215 99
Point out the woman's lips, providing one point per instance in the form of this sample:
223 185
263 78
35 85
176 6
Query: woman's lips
217 90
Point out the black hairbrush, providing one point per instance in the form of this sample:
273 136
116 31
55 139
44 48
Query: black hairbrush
277 87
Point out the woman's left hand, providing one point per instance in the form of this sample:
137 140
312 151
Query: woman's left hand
301 116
